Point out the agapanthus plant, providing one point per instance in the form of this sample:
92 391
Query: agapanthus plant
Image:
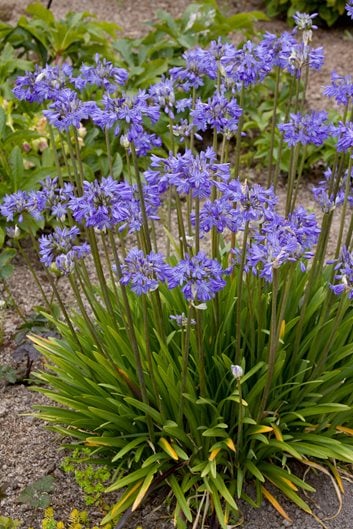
206 349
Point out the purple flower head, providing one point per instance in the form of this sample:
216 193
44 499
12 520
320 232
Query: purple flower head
143 141
128 113
61 249
144 272
103 204
345 136
68 110
200 277
51 199
43 84
349 8
280 48
250 203
162 94
197 173
302 54
248 65
282 241
218 113
219 49
330 201
14 206
181 320
341 88
219 214
103 75
304 22
198 64
343 279
307 128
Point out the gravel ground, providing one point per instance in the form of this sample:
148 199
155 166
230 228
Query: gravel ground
28 450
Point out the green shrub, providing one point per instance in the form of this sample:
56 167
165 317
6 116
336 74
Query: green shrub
329 10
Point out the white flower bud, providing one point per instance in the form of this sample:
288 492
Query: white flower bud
237 371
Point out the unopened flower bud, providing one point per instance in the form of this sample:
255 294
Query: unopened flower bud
237 371
124 141
13 233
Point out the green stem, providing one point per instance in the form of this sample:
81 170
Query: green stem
272 347
239 131
273 127
239 297
344 206
185 345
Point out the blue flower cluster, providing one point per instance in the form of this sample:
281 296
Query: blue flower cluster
328 201
313 127
280 241
61 249
344 274
349 8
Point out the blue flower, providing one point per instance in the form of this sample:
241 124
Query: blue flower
68 110
247 65
341 88
218 113
344 274
198 64
144 272
103 74
43 84
345 136
349 8
60 249
200 277
313 127
103 205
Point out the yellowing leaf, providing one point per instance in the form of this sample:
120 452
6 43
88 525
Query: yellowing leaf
142 492
275 503
230 444
344 429
167 447
337 478
124 498
290 484
277 432
282 329
261 428
214 454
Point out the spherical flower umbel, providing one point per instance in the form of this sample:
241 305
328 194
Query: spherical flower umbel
103 205
219 113
200 277
103 75
68 110
144 272
43 84
341 88
62 249
313 127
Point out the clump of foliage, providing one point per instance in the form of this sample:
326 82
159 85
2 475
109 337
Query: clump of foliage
91 477
214 366
77 520
37 494
9 523
329 10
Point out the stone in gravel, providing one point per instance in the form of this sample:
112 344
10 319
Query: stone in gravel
3 411
6 11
